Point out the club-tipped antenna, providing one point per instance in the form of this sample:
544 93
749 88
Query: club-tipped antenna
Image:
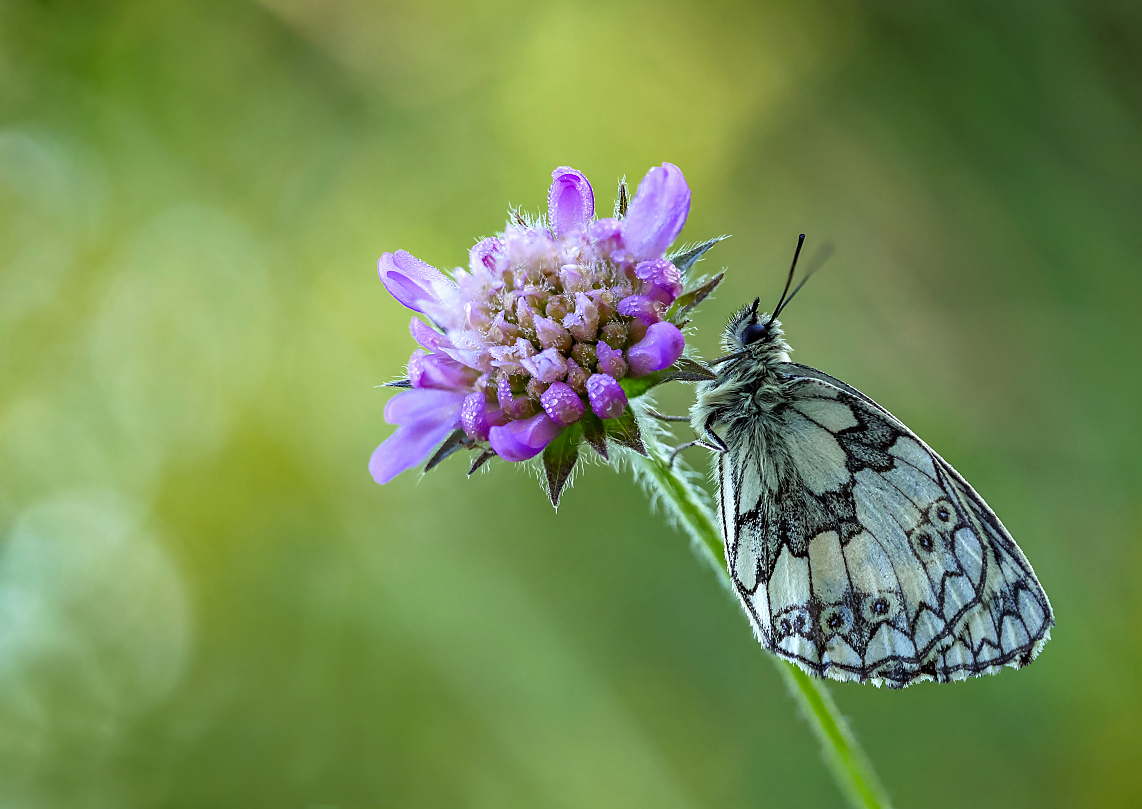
789 278
819 258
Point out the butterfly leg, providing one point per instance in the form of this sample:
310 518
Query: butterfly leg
654 414
713 438
696 443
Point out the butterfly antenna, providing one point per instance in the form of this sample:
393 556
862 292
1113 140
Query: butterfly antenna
819 258
789 278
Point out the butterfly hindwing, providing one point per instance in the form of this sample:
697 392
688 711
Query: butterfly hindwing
860 554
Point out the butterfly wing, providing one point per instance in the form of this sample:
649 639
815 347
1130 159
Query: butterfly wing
860 554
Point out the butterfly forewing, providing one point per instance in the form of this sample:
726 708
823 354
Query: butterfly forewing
859 553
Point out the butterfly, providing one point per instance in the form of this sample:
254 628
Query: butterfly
858 553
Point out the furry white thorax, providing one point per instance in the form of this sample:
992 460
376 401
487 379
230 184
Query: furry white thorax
747 384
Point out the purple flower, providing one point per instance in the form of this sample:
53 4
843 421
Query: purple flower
477 417
551 334
610 361
486 255
660 280
657 213
570 203
608 399
439 371
562 404
542 323
419 286
641 307
583 323
524 438
425 418
660 348
547 366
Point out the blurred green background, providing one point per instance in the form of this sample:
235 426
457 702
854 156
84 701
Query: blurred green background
205 599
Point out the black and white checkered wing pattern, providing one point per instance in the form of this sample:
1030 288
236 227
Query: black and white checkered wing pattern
860 554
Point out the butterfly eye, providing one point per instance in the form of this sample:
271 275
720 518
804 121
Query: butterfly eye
753 333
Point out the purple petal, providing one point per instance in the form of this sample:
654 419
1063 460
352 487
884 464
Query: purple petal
562 404
657 213
524 438
419 286
485 256
425 404
607 235
406 448
504 396
426 417
547 366
438 343
427 336
584 321
439 371
660 348
571 276
570 203
660 280
477 416
551 334
530 247
607 397
641 307
611 361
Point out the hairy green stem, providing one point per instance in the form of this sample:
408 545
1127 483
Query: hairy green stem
687 505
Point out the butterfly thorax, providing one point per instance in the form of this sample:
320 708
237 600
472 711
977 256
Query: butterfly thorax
748 386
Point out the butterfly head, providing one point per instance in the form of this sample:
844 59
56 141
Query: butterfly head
759 338
754 335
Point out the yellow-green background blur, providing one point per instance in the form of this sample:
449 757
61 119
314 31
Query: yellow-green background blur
204 598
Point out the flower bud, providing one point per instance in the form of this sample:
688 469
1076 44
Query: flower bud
610 361
641 307
583 323
660 348
607 397
576 377
477 417
535 389
562 404
551 334
585 355
557 307
661 280
523 438
615 335
548 365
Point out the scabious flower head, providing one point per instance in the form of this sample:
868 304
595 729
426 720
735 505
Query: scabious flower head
540 333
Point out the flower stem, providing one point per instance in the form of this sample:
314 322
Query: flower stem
687 505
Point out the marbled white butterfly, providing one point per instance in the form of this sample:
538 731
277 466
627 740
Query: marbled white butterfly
858 552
